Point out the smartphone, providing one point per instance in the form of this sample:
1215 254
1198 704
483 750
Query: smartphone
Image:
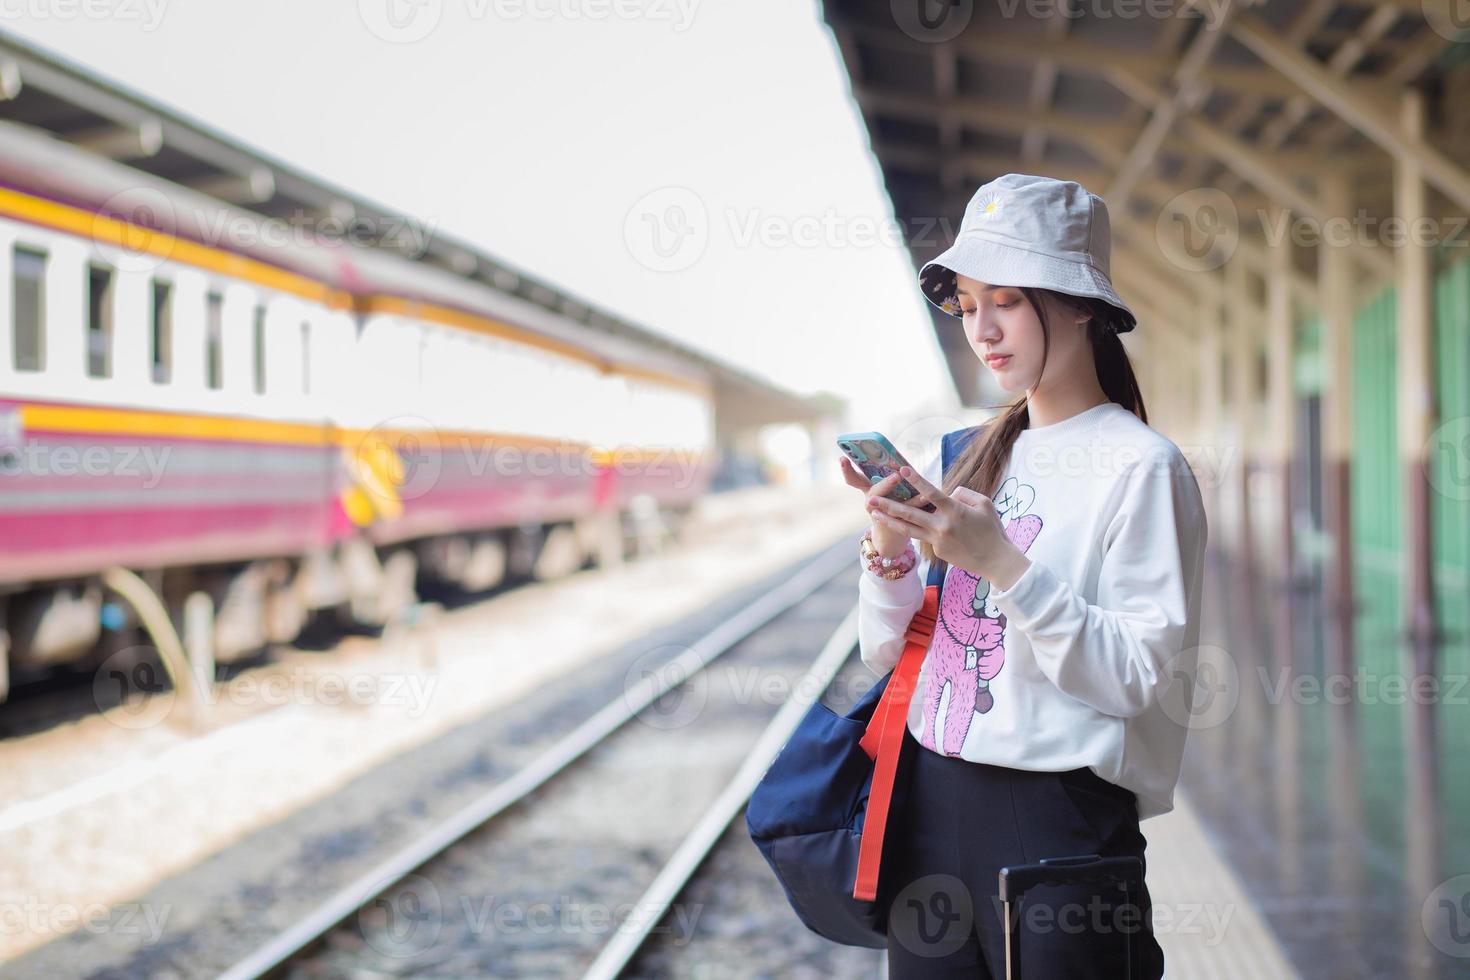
875 457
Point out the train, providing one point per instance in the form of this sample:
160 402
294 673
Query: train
291 424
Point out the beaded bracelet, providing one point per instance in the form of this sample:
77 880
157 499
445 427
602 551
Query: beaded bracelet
882 566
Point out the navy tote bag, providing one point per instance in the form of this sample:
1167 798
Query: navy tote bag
836 778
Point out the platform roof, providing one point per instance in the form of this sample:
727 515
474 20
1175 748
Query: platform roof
1146 106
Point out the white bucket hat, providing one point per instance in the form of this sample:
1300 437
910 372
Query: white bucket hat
1025 230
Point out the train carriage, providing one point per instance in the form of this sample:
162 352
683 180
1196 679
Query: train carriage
287 426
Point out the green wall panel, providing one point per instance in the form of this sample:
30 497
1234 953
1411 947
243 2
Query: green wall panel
1449 458
1377 513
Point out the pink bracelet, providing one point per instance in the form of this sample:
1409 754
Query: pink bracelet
884 567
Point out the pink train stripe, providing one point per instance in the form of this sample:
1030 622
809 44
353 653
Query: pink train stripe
63 543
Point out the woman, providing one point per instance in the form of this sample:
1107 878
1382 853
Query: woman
1052 707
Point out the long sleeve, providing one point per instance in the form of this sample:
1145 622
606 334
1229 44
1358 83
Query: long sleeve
1115 655
885 607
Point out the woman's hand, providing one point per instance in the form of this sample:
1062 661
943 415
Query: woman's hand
964 529
889 541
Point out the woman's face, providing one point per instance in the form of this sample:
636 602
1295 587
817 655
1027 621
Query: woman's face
999 321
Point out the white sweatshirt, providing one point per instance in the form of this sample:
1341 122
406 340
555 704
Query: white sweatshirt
1070 666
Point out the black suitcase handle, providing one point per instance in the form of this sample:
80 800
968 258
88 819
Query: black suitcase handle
1078 869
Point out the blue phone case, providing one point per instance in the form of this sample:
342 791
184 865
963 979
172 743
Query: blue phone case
875 456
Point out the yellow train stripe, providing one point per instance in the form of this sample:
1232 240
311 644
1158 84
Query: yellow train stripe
171 425
110 231
174 425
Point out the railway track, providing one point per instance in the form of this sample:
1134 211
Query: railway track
576 862
647 940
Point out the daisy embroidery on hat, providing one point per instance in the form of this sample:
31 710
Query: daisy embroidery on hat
988 207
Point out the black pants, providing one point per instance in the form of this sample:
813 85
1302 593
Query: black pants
960 823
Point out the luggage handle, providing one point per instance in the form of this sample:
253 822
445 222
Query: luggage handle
1017 879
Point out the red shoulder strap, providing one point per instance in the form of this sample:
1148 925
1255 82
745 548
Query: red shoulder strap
884 738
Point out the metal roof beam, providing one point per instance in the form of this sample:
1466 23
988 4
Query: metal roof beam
141 139
10 79
1303 25
1099 137
1350 52
255 186
1361 107
1256 167
1074 53
1185 98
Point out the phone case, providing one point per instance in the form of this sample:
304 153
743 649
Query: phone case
875 456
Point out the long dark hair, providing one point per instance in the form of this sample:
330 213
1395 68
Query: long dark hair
983 462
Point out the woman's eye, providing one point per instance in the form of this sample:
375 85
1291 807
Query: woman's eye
967 312
1006 306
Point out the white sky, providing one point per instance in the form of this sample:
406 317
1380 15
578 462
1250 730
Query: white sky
538 129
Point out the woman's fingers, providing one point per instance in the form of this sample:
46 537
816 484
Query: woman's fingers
851 474
856 478
928 492
881 489
916 520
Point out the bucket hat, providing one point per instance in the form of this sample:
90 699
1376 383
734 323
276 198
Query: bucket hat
1028 230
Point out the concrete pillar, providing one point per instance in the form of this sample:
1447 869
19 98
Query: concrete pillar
1280 428
1415 370
1243 319
1212 404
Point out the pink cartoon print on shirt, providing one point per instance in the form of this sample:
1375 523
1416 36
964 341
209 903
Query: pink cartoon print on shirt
968 649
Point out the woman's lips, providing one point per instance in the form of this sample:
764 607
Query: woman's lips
997 361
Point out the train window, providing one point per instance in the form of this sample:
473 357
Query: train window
305 357
99 321
260 350
213 332
29 308
163 328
